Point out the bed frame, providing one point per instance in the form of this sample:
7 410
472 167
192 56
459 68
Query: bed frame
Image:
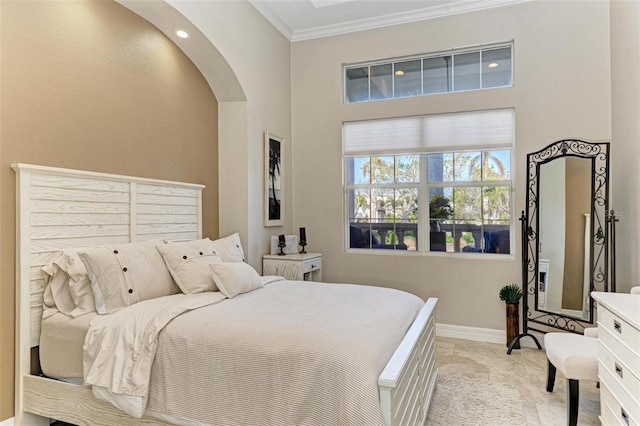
61 208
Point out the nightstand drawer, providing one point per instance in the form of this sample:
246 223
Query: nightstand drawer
295 267
312 265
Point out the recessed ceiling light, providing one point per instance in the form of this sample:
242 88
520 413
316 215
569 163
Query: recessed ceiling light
493 65
399 72
182 34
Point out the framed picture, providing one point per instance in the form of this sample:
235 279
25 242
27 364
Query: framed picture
273 180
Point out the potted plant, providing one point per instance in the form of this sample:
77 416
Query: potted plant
439 209
511 295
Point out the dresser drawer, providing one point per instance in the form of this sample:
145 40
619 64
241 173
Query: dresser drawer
312 265
619 371
622 350
625 403
612 412
620 328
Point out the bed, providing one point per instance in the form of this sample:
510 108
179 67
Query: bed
60 209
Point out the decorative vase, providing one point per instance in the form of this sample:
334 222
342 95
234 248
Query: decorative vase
513 323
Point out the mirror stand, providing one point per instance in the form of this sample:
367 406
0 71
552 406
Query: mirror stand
611 221
525 299
568 237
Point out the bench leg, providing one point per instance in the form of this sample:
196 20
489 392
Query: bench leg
551 376
573 395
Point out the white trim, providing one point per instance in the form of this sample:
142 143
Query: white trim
7 422
273 18
478 334
433 12
22 167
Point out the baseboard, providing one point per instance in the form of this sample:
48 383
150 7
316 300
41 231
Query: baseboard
478 334
8 422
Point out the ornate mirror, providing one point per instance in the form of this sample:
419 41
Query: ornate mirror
565 234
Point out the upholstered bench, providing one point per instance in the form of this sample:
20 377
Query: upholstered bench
576 356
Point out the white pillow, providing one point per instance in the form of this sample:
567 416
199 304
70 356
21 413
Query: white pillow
189 263
126 274
229 248
68 284
233 278
56 294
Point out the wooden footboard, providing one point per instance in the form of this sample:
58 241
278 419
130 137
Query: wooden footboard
72 403
409 379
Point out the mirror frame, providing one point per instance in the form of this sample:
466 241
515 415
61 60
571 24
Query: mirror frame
598 153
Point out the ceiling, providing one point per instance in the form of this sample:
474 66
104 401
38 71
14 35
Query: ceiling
308 19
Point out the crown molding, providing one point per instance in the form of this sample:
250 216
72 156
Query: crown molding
462 6
272 17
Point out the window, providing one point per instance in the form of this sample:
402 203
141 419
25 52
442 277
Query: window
430 183
469 69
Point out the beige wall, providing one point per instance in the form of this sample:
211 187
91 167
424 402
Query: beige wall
90 85
562 89
260 57
625 143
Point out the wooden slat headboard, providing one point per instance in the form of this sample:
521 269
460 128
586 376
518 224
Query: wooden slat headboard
62 208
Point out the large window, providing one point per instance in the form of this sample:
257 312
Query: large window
454 71
430 183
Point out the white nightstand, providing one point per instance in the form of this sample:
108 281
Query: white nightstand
296 267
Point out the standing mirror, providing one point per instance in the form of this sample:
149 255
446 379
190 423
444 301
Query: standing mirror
565 235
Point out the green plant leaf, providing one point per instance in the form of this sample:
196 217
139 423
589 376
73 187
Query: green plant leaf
511 293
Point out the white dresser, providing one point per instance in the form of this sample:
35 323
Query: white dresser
296 267
619 357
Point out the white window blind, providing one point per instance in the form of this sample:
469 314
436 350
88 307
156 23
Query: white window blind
490 129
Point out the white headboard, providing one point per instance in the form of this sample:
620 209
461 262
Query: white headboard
61 208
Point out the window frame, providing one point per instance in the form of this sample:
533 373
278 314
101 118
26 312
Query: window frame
423 187
452 53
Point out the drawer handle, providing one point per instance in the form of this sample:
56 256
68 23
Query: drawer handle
618 370
624 415
617 326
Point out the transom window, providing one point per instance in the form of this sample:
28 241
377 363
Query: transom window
404 191
454 71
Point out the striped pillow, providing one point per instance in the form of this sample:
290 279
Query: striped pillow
233 278
230 248
189 261
126 274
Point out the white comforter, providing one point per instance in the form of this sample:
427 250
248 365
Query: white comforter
291 353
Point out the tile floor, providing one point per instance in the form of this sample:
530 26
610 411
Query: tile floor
525 368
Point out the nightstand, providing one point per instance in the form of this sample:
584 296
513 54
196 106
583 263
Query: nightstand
296 267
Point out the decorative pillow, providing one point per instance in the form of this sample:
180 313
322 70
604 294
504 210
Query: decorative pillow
233 278
69 284
126 274
56 293
189 263
230 248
